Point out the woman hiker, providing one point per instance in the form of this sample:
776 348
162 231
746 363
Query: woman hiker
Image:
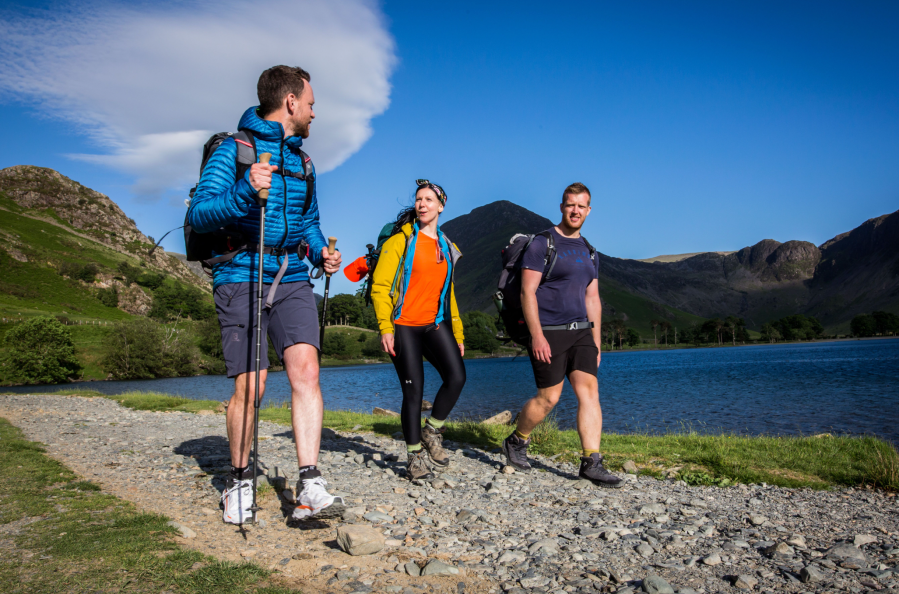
413 297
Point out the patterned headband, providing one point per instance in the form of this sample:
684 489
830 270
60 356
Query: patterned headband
441 195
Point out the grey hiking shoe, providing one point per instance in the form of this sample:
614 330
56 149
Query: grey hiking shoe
432 440
417 468
592 469
516 451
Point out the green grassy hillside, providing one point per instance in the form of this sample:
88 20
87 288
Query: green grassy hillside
34 286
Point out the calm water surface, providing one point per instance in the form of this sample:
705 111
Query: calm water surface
842 387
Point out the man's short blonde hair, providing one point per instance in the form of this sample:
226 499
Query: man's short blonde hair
577 188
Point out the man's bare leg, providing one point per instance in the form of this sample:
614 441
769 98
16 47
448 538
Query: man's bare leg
589 412
515 447
306 408
240 416
589 427
537 408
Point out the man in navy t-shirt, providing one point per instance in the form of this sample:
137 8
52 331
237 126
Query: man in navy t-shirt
564 313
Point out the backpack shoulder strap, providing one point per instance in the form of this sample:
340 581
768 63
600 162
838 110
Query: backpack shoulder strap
309 176
550 258
590 248
246 151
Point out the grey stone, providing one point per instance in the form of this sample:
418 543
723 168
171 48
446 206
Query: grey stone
184 530
845 551
547 546
653 584
630 467
511 556
652 509
861 540
465 516
811 573
757 520
435 567
797 540
644 550
412 568
376 516
780 549
359 540
745 582
536 581
712 560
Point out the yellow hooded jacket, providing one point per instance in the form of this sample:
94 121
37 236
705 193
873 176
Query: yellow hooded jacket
391 279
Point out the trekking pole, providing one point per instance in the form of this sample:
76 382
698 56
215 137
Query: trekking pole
332 244
263 198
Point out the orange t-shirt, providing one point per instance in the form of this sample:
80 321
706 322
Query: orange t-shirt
422 300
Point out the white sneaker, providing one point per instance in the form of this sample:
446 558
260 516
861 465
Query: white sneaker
237 499
314 500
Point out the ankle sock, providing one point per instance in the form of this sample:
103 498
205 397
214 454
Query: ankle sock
412 448
521 435
435 423
588 453
305 469
241 473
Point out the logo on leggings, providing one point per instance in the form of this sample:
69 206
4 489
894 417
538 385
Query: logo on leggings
408 381
235 337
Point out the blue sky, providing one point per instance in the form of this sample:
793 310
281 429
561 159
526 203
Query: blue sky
698 126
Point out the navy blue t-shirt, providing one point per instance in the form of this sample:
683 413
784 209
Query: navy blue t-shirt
561 297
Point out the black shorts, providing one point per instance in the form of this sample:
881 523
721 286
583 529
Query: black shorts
572 350
292 318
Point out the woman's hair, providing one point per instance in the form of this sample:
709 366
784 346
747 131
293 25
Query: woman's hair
407 215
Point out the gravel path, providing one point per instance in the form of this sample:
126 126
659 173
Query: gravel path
492 532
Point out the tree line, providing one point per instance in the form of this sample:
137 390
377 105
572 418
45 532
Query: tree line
882 323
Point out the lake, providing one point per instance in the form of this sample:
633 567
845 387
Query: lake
836 387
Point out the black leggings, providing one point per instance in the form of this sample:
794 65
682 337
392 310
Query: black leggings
438 344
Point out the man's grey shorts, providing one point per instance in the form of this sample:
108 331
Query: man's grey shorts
292 318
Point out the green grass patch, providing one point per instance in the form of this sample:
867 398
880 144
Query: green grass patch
74 538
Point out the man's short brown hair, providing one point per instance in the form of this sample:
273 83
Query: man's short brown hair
278 82
577 188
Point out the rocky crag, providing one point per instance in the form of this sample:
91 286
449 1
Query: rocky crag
49 196
475 528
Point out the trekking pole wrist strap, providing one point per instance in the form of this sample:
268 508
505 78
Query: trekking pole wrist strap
571 326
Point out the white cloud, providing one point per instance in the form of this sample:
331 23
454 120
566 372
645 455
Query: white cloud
150 82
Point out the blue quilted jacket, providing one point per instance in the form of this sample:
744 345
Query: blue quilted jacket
223 201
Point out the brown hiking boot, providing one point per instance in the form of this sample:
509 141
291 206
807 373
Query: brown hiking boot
417 468
432 440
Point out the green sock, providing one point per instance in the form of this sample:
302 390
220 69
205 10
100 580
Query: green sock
413 448
522 435
435 423
587 453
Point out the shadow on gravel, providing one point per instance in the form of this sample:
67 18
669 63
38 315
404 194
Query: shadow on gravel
211 453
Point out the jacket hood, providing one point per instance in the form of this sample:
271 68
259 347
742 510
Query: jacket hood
266 129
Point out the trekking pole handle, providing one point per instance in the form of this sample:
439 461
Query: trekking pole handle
264 159
332 245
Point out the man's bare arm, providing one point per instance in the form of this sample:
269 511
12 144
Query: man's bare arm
594 314
530 280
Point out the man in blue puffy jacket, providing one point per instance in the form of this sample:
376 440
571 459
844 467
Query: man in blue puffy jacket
222 200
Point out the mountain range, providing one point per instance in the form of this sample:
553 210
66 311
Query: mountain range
855 272
47 219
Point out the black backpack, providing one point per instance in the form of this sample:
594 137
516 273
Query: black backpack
508 297
200 247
